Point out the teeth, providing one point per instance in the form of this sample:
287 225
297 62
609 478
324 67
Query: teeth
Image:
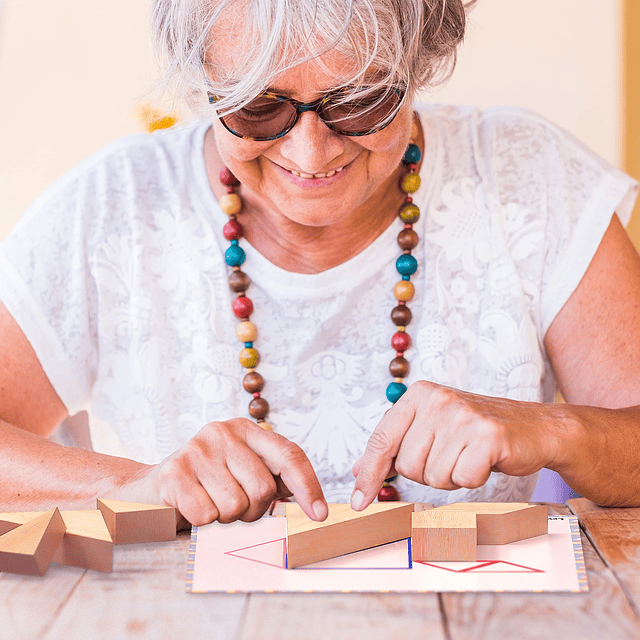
309 176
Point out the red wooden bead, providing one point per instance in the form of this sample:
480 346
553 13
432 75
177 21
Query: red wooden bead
388 493
227 178
400 341
256 394
232 230
399 354
242 307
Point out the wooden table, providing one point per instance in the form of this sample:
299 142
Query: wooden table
144 597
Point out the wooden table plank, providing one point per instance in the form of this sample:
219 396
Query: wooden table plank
602 613
144 598
615 533
30 604
348 616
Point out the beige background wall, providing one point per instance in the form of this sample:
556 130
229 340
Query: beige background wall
72 71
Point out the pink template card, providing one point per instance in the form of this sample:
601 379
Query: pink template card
243 557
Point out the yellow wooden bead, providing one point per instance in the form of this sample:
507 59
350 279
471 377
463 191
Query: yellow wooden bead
400 380
410 183
247 331
231 203
401 329
249 358
410 213
265 425
404 290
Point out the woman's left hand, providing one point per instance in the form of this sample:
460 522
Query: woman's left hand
448 439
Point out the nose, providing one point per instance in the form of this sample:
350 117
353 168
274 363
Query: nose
311 145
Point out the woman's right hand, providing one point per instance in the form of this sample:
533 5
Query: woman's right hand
233 470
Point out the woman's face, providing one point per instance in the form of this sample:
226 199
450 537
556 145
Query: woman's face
294 175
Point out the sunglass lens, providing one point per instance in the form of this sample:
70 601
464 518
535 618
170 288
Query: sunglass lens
262 119
363 115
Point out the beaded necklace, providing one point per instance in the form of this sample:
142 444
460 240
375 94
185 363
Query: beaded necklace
242 306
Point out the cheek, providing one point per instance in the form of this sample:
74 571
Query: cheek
234 150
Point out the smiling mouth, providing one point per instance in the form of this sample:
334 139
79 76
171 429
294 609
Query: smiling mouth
310 176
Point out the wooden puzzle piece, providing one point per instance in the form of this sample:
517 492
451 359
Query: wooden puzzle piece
344 531
29 548
505 522
87 542
441 536
131 522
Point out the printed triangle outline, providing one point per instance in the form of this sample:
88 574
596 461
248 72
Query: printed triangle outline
236 553
480 567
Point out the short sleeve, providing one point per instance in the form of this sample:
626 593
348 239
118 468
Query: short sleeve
563 185
47 287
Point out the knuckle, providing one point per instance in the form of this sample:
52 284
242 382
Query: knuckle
292 454
232 508
379 443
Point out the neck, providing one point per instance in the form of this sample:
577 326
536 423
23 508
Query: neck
299 248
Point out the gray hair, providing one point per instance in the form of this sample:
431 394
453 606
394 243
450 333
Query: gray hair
408 43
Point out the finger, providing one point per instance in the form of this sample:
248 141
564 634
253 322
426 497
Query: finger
195 505
225 492
288 461
441 461
255 480
415 447
382 447
473 467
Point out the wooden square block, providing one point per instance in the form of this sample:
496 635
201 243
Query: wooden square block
132 522
505 522
87 542
441 536
29 548
344 531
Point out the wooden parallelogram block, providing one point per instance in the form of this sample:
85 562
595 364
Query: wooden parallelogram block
344 531
132 522
29 548
442 536
505 522
87 542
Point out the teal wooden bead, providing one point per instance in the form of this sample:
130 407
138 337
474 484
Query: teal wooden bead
406 277
234 256
395 391
412 154
248 345
406 264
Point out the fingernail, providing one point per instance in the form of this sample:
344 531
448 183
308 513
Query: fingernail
320 509
357 499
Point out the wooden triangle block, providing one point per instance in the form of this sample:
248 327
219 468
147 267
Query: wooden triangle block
87 542
29 548
505 522
131 522
443 536
344 531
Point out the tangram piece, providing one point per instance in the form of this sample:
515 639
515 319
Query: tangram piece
279 509
441 536
130 522
344 531
86 543
505 522
29 548
422 506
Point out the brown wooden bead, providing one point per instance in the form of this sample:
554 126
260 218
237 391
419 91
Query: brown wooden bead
258 408
399 368
401 315
239 281
408 239
253 382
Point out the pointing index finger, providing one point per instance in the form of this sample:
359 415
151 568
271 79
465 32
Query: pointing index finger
377 462
287 460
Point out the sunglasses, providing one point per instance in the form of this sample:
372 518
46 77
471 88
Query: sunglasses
270 116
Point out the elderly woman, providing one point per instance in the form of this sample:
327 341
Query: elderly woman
405 285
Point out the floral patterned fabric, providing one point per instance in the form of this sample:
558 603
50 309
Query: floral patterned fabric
117 277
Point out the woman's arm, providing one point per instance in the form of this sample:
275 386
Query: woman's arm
449 439
229 470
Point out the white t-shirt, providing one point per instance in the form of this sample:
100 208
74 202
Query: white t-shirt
117 277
